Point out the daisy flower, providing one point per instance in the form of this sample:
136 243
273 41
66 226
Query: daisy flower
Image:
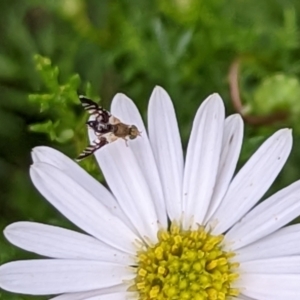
167 228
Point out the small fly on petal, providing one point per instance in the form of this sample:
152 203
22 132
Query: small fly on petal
106 127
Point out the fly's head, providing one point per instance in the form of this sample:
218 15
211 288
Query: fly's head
133 132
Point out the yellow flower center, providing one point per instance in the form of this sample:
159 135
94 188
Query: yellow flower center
185 265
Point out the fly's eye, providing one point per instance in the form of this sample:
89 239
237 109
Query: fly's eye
133 132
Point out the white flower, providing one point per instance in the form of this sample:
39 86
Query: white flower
150 183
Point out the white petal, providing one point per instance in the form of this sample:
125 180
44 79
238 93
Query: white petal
129 186
80 207
252 181
278 265
72 169
55 276
231 148
165 141
270 286
271 214
116 296
58 242
243 297
202 159
121 288
124 108
283 242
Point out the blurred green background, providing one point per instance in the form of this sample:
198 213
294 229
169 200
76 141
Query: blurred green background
103 47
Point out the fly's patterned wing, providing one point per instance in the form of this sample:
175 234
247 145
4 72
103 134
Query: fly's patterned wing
99 128
102 115
89 150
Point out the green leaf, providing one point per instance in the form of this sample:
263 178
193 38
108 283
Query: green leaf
57 103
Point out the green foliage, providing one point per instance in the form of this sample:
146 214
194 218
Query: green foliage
58 102
61 123
186 46
278 93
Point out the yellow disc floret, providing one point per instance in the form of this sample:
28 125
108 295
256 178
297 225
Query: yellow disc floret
185 265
